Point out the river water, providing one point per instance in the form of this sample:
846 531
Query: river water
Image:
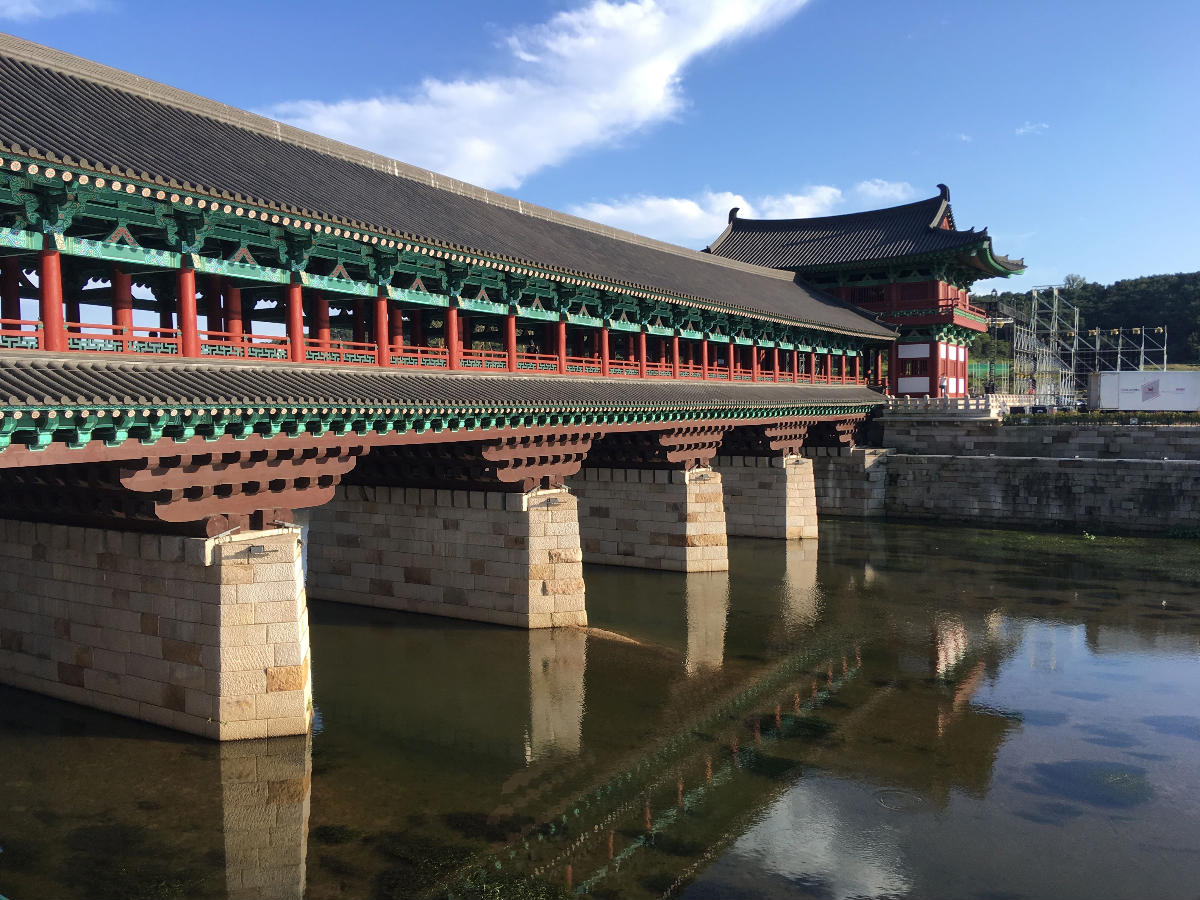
894 710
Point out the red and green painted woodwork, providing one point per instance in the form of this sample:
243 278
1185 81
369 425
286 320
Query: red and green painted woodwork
927 299
349 295
924 356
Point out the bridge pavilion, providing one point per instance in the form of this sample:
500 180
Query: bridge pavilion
908 264
210 320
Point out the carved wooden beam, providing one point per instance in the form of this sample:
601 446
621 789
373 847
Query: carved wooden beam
676 448
515 463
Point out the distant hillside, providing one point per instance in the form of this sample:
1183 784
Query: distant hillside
1171 300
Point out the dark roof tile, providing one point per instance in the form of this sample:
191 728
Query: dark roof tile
39 381
876 235
70 106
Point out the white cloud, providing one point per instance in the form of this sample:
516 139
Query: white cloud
965 138
585 78
26 10
696 221
877 190
1032 128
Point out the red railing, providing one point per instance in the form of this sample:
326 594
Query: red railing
537 362
155 340
583 365
421 358
20 334
93 337
483 359
347 353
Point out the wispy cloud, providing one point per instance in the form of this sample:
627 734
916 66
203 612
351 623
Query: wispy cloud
27 10
1032 128
965 138
696 220
585 78
877 190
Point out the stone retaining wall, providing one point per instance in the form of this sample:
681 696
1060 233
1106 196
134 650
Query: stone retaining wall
849 481
652 518
1125 495
768 496
983 438
205 636
508 558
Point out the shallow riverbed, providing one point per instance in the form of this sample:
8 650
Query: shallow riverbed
893 710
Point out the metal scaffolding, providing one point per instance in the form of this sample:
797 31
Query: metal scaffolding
1054 351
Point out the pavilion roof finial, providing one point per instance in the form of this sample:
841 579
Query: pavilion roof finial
945 192
733 214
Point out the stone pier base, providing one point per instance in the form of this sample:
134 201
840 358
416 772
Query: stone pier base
208 636
652 518
769 496
490 556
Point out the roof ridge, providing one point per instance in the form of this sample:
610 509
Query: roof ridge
849 215
79 67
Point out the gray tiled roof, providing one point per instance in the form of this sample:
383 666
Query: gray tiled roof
57 103
43 381
862 237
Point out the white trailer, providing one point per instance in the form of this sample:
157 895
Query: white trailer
1145 390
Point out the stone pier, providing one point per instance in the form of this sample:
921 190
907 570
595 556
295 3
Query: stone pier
492 556
769 496
670 519
204 635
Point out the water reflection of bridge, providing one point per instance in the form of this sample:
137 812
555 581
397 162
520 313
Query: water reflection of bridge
554 728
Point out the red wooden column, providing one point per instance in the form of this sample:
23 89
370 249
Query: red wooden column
50 300
795 365
812 366
844 368
893 369
510 340
453 345
360 320
935 365
604 351
754 366
322 310
560 346
189 338
122 303
641 354
775 363
295 322
828 367
675 356
10 289
383 352
732 352
395 327
857 367
233 312
704 357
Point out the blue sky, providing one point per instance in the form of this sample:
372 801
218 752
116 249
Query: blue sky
1069 128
